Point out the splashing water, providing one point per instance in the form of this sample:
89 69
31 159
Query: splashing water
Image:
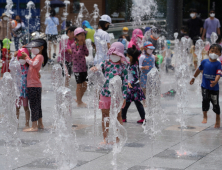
56 76
82 12
30 5
213 37
95 15
182 77
142 9
89 59
101 50
154 112
47 6
120 134
16 73
9 122
97 79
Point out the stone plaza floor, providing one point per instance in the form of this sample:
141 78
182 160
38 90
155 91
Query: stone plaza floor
201 140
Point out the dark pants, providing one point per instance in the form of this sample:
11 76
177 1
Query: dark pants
139 107
34 96
16 40
1 47
210 96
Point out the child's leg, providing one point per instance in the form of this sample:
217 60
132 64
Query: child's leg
17 112
140 109
67 81
124 110
195 64
105 128
205 104
27 116
49 48
83 89
214 98
34 100
144 92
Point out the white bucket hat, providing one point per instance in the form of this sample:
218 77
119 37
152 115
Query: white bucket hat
106 18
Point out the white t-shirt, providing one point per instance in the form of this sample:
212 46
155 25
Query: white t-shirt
142 57
104 36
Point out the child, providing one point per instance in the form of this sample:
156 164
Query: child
210 88
220 43
146 63
183 32
68 54
136 39
23 99
6 56
111 68
103 26
80 50
34 85
134 92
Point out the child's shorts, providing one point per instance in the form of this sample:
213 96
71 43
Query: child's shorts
81 77
23 101
104 102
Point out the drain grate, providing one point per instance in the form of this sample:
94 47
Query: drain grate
134 145
172 154
145 168
188 127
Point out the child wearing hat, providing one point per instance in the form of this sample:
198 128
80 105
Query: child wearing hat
6 56
34 85
103 26
79 52
110 68
146 63
23 99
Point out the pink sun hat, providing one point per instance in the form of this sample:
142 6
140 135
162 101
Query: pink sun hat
25 50
118 49
79 30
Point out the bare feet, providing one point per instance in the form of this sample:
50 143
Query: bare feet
204 120
40 126
103 142
217 124
26 127
30 130
82 105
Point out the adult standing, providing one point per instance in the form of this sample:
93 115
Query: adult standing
18 31
5 31
51 31
194 24
211 25
103 26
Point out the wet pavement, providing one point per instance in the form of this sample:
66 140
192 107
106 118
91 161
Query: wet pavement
202 143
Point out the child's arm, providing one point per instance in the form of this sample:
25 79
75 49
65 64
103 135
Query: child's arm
85 50
213 83
142 57
36 63
124 77
195 75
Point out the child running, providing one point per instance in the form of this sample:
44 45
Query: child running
146 63
23 99
68 54
39 49
80 51
210 88
111 68
134 92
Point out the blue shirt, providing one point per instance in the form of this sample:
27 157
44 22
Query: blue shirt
210 70
51 25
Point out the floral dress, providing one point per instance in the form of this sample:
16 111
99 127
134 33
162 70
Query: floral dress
135 93
110 70
148 61
23 90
